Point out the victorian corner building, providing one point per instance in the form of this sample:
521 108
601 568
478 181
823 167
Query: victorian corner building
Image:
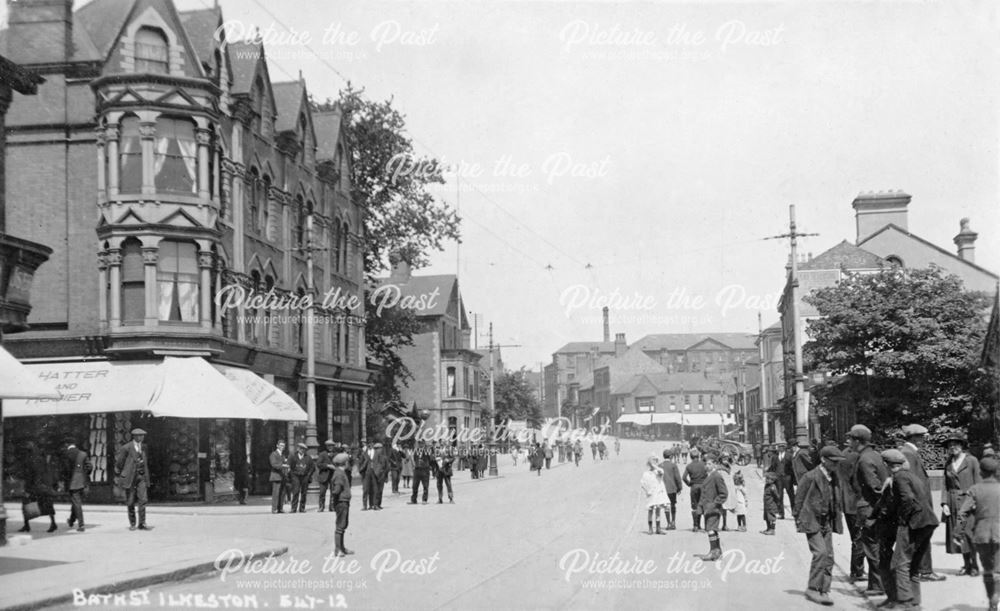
162 166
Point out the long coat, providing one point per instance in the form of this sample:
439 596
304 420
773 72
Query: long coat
817 500
845 481
671 477
713 494
911 501
982 506
956 487
127 463
802 463
868 477
278 467
324 467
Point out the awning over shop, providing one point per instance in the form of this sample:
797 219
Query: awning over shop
712 419
273 402
18 382
633 419
173 387
668 418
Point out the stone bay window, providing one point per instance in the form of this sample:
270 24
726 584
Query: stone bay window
178 282
175 161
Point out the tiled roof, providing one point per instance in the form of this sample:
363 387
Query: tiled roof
103 21
585 347
844 256
327 126
425 285
201 26
672 382
287 103
244 57
683 341
898 229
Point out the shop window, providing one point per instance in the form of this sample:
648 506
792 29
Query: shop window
133 283
130 153
151 51
451 381
175 163
177 276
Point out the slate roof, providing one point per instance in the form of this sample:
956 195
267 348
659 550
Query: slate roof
243 56
103 21
416 286
844 256
201 26
671 382
585 347
898 229
683 341
287 103
327 126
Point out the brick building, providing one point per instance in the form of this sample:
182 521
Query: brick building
674 405
163 166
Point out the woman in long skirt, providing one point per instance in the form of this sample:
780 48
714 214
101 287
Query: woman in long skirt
960 473
38 486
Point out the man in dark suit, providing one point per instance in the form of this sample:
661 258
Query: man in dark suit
279 473
300 470
395 467
802 461
910 502
365 458
786 477
324 472
695 474
443 472
132 474
982 508
915 436
422 472
849 503
673 484
817 514
379 467
866 481
76 473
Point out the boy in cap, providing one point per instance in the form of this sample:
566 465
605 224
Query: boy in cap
982 507
867 480
132 474
910 502
713 494
695 475
771 500
817 514
916 435
340 502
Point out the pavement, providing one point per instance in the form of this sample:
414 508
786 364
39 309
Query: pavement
572 538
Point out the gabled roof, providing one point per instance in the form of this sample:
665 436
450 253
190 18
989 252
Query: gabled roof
684 341
907 234
327 125
587 381
201 26
623 367
586 347
103 21
420 286
844 256
683 382
244 57
288 101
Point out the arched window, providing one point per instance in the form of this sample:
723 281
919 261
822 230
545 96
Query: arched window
177 276
130 177
253 201
303 141
133 283
270 334
175 163
894 261
151 53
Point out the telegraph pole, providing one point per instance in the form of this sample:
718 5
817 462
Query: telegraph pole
763 386
493 409
801 408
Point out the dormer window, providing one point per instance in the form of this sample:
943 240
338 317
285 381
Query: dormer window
151 51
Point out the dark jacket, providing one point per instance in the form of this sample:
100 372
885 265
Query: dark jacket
279 468
869 475
324 467
916 463
845 477
802 463
982 505
395 459
671 477
301 467
76 469
772 500
713 494
340 487
911 501
817 503
785 468
445 467
422 461
695 473
131 465
957 483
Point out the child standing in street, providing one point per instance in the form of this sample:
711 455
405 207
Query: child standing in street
656 493
340 500
772 500
741 502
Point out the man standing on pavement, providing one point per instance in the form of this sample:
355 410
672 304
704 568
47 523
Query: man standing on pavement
324 472
395 467
817 513
380 467
422 473
713 494
443 472
982 508
548 454
365 460
279 471
915 435
866 481
300 467
695 475
782 466
577 452
672 484
76 473
849 504
802 461
132 473
910 502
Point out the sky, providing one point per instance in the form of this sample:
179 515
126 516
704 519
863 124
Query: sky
640 152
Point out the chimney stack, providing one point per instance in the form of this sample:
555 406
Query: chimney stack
620 345
39 31
607 326
873 211
401 271
966 242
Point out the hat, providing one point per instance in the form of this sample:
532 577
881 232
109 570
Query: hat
860 432
340 459
988 466
378 445
804 444
780 444
988 451
957 436
711 456
329 442
303 445
893 457
138 431
695 452
831 453
911 430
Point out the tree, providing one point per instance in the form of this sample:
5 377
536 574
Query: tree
906 341
401 218
514 398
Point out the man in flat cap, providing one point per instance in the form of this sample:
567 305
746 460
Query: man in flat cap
324 471
817 514
866 481
982 508
695 474
849 503
802 460
910 501
340 501
300 468
916 435
132 475
76 475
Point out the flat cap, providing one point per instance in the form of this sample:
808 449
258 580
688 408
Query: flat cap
303 445
711 456
378 445
138 431
831 453
340 459
780 444
894 457
804 444
860 432
989 465
911 430
329 442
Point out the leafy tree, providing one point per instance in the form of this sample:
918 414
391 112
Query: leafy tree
515 398
907 342
401 217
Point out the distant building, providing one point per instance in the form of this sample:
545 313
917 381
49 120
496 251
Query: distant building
674 406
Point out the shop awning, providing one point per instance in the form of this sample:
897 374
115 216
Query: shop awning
668 418
173 387
712 419
633 419
271 401
17 382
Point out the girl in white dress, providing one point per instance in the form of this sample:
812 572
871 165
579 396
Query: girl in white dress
656 494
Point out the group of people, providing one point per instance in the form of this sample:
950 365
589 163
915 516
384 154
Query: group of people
541 454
